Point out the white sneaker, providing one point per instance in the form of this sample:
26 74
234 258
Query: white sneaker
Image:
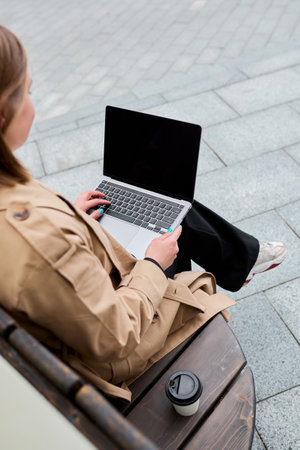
270 255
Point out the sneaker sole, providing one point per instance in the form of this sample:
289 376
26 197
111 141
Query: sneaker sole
265 266
255 273
276 263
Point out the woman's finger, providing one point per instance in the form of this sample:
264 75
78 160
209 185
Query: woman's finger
89 195
177 232
97 201
96 214
96 194
173 234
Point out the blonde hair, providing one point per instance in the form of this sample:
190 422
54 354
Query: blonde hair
13 71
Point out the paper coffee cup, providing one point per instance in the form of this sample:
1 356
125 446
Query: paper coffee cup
183 389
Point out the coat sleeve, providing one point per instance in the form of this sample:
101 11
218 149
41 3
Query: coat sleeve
70 293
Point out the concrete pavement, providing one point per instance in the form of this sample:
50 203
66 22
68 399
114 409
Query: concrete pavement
231 66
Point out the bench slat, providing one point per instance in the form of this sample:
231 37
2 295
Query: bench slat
216 357
231 425
61 375
123 434
7 323
149 378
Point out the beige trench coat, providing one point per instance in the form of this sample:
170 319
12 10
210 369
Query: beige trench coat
67 281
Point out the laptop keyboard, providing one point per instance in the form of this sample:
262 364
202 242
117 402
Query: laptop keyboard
138 208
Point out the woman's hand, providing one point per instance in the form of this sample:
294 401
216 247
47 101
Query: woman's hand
91 199
165 248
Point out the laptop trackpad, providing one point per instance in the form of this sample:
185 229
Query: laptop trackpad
140 242
122 231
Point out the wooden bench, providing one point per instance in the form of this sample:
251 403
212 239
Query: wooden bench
225 419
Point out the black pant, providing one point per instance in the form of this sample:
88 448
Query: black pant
217 246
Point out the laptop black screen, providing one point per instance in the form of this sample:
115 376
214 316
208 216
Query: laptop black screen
151 152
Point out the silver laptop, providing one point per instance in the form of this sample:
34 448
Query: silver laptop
149 175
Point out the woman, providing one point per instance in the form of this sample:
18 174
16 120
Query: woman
64 278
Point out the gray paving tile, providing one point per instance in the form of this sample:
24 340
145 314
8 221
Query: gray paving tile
72 149
72 182
270 52
103 86
270 349
296 105
114 92
281 34
141 31
49 101
209 55
91 120
221 39
208 160
209 78
297 68
254 134
278 420
77 93
285 299
256 41
146 88
250 187
262 92
137 105
232 50
183 63
272 64
204 109
85 102
141 104
59 108
38 135
56 122
257 443
243 34
294 151
291 214
30 157
92 109
200 79
197 44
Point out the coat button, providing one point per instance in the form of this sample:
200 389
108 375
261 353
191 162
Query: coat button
21 213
